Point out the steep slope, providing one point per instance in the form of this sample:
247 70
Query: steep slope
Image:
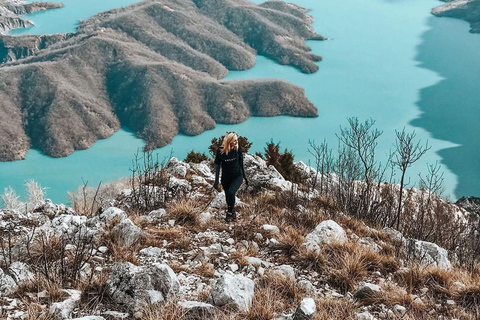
154 67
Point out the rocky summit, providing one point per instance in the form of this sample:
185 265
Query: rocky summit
153 67
160 249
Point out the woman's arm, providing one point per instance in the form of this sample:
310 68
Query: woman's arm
240 153
217 169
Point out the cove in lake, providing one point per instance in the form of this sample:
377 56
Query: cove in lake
372 68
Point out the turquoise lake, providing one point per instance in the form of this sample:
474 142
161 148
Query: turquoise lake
387 60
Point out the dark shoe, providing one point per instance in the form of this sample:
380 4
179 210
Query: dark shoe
230 217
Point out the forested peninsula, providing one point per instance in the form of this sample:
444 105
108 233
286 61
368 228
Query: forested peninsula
153 67
468 10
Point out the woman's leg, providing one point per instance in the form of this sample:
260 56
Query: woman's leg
230 192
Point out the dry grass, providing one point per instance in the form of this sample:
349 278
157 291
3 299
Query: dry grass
40 283
274 295
334 309
184 212
345 265
417 277
94 292
290 241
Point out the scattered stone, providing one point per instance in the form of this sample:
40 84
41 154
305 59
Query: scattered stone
157 215
305 310
197 310
399 311
236 290
116 315
271 228
234 267
103 249
364 316
204 217
285 270
458 286
63 310
367 290
307 286
325 233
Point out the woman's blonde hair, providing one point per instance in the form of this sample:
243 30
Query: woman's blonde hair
230 141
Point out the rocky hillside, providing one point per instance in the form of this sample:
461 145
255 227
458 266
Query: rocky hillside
158 248
153 67
10 11
468 10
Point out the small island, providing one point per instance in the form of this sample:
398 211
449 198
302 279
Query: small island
154 67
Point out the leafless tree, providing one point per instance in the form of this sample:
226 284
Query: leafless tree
407 152
362 139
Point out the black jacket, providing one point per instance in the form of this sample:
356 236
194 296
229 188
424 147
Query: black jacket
231 163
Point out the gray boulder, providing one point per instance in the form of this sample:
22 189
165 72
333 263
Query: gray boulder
127 233
7 284
325 233
197 310
136 287
367 290
235 290
263 176
21 272
305 310
429 253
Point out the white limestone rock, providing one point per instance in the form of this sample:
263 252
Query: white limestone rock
127 233
21 272
63 310
325 233
285 270
7 284
236 290
271 228
428 253
364 316
305 310
136 287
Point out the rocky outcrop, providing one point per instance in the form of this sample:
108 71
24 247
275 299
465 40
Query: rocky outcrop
136 287
153 67
471 204
468 10
429 253
11 9
325 233
234 290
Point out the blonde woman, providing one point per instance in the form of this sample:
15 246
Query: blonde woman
230 158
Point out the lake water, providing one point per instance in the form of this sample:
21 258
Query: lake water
388 60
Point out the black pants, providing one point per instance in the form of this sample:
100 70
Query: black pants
230 187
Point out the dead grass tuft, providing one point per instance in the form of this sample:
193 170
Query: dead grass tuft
184 212
346 264
290 241
334 309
